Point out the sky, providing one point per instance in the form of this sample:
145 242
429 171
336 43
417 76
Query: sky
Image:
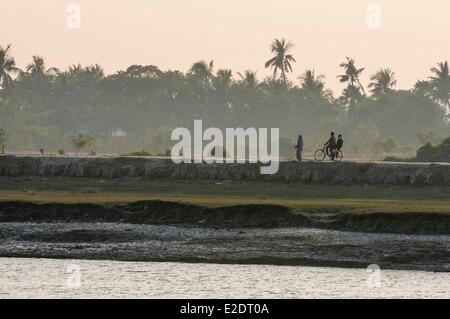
409 36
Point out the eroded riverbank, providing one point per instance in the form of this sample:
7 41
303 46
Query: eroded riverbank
279 246
158 212
245 234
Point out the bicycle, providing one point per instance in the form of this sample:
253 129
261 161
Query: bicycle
335 154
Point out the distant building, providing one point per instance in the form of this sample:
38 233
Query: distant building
118 132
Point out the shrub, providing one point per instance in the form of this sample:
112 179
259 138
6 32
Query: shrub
438 153
81 141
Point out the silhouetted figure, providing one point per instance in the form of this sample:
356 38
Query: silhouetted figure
330 144
340 142
41 151
299 148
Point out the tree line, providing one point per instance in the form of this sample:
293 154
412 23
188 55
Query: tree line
136 108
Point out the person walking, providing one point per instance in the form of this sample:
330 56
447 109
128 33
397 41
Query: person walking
299 148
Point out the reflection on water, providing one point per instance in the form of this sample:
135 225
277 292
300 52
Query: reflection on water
48 278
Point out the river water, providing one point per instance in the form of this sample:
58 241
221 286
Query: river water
59 278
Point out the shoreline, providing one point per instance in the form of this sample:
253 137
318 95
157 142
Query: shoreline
299 262
362 266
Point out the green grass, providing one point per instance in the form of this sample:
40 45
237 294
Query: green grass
356 199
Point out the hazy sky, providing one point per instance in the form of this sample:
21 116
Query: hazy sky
236 34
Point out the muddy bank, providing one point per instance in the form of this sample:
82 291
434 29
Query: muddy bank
345 173
274 246
246 234
229 217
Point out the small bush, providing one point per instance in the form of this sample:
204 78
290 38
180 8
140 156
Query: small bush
81 140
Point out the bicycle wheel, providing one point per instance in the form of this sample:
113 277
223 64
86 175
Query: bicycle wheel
319 155
339 156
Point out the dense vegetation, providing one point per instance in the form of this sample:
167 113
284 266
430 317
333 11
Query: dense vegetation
435 153
135 109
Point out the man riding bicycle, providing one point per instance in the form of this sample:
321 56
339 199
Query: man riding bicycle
330 144
332 149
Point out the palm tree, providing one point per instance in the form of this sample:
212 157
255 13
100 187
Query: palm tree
40 77
37 68
202 70
94 71
281 61
143 72
7 67
354 90
440 83
249 79
423 88
78 71
173 83
222 84
316 84
199 84
223 80
80 76
382 82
